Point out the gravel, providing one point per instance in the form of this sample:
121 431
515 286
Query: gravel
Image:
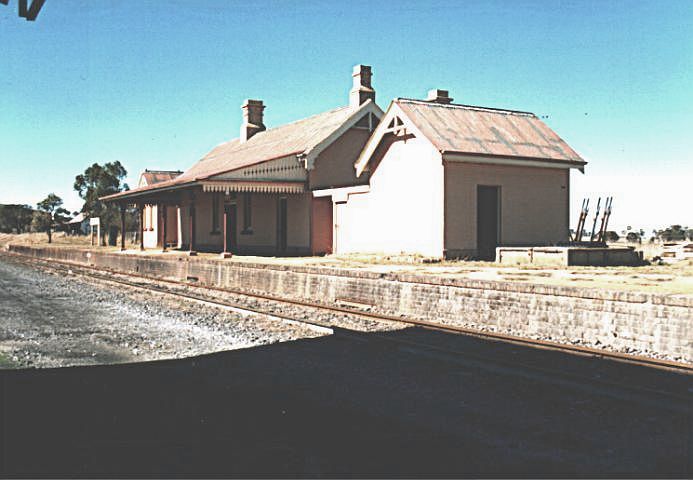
51 320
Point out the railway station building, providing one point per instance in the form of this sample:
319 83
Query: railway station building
450 180
427 177
253 194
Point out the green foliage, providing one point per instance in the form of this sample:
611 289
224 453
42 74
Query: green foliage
633 237
50 214
40 221
612 236
672 234
15 218
98 181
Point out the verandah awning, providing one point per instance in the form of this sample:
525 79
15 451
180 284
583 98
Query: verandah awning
253 186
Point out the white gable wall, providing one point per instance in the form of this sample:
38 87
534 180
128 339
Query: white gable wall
403 211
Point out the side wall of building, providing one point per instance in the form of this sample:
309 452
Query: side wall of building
403 211
533 205
153 224
150 227
334 167
261 237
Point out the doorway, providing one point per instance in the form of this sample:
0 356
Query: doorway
230 234
487 221
281 225
321 226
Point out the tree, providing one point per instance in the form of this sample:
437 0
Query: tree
633 237
612 236
98 181
50 213
672 234
15 218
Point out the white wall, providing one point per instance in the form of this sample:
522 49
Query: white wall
151 232
403 212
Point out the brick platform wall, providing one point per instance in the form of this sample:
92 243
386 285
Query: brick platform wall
639 321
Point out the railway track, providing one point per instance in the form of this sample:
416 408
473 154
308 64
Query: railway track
190 292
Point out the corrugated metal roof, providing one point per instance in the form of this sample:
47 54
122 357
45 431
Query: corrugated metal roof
289 139
158 176
486 131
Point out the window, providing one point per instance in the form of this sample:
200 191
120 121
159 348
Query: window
215 213
247 218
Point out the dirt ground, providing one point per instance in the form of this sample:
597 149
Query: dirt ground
675 278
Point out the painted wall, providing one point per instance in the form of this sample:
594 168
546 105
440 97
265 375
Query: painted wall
334 167
261 238
151 231
403 212
152 224
533 210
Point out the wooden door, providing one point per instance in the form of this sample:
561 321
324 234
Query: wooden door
321 226
487 220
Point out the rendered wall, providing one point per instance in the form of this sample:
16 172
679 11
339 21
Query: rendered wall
152 234
533 207
645 322
403 212
334 167
261 239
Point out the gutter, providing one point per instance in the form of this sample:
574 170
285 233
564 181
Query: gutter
515 160
130 194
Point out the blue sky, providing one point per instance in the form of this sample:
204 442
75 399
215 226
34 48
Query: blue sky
156 84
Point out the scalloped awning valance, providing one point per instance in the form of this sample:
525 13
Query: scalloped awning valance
255 187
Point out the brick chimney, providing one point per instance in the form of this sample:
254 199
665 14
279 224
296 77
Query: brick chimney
362 90
252 119
438 96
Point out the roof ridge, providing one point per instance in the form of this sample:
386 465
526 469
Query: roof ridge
333 110
466 107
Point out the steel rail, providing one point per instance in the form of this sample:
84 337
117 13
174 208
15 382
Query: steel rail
553 376
501 337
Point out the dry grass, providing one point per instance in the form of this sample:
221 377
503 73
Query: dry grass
675 278
60 239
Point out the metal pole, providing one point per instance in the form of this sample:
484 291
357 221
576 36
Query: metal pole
596 216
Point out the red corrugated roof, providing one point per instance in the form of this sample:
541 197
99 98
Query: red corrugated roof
158 176
289 139
486 131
